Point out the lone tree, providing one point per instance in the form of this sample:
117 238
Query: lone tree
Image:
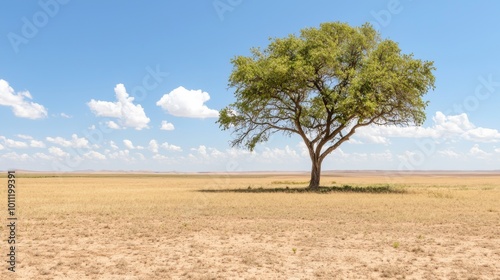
323 85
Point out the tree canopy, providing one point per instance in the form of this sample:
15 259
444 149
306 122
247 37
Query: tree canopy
322 85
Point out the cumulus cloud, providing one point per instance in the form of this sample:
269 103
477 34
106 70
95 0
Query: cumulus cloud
1 147
128 144
384 156
124 110
182 102
449 154
153 146
25 137
167 126
37 144
74 142
170 147
277 153
94 155
160 157
113 145
371 137
456 124
123 155
113 125
207 152
445 127
140 156
202 150
481 134
58 152
13 156
42 156
475 151
19 102
13 143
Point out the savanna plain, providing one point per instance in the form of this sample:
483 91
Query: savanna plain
372 225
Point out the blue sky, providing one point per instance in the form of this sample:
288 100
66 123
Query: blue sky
137 85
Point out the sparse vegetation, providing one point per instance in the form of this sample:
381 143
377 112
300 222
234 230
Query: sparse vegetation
162 226
345 188
289 183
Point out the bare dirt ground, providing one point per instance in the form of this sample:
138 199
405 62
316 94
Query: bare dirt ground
140 226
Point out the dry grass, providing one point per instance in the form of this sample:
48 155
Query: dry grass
444 226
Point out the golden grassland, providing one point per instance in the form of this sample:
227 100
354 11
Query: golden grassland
152 226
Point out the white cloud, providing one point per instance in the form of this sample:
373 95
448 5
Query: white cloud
25 137
94 155
13 143
37 144
75 141
354 141
207 153
123 155
372 135
411 156
167 126
160 157
236 153
113 145
216 153
58 152
113 125
304 152
66 116
484 135
182 102
475 151
127 113
277 153
385 156
1 147
16 157
170 147
42 156
497 150
445 127
128 144
449 154
140 156
457 124
18 102
153 146
202 150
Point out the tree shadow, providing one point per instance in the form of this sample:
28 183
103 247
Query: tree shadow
321 190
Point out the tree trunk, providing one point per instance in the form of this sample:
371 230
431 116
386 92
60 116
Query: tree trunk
315 174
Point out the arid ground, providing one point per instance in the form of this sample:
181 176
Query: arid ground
163 226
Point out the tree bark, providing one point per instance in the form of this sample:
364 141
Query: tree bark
315 174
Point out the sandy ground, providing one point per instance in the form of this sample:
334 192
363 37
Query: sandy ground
105 226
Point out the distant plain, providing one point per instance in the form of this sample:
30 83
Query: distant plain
429 225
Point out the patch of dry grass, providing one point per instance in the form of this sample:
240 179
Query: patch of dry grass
136 226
